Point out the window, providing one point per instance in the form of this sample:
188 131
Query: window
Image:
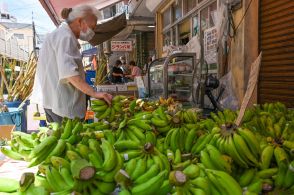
195 29
184 32
174 36
212 14
166 17
19 36
189 5
166 39
204 19
177 10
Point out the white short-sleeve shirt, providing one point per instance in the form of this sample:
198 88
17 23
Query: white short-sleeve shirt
60 59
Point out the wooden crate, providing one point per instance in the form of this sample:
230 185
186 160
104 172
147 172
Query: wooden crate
5 131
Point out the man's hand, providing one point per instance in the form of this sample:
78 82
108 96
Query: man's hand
105 96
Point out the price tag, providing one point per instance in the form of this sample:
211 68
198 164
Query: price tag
126 157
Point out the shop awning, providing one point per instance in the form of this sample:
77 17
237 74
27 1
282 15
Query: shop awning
54 7
153 4
106 30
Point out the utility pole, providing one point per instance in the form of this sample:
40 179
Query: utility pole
34 35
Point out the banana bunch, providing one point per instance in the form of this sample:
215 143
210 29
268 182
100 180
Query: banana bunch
166 102
161 120
241 145
222 183
105 112
151 182
176 139
227 117
212 158
134 128
191 180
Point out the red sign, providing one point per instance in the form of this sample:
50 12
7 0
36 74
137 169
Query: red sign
121 46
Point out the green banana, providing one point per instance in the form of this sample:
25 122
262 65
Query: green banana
178 156
217 159
139 169
267 173
72 155
11 154
202 183
206 161
227 181
127 145
151 186
201 143
266 157
109 155
96 160
232 151
280 155
247 177
165 188
67 177
192 171
58 149
98 102
190 139
280 177
109 176
58 162
130 166
137 131
243 149
251 141
67 129
159 122
8 185
105 187
130 154
150 173
44 145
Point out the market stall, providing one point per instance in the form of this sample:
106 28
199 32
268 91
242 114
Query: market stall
163 144
172 151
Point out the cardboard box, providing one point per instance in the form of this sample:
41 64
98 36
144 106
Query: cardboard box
106 88
122 87
5 131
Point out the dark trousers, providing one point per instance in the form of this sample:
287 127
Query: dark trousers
52 117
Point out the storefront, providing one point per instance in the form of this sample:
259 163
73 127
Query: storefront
179 21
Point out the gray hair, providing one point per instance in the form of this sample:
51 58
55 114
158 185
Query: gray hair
80 11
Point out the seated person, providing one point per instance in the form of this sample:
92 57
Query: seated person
117 73
135 70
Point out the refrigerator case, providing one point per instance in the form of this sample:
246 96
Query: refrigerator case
173 76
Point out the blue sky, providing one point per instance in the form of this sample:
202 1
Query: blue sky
22 10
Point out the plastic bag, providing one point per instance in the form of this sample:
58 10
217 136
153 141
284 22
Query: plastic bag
229 99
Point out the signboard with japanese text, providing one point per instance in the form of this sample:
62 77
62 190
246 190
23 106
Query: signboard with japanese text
121 46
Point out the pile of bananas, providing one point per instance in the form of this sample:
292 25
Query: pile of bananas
140 147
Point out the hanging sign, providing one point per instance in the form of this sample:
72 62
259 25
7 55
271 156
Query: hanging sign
121 46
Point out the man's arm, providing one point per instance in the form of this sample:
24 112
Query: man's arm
81 85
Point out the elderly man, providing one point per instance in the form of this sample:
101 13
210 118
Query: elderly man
60 75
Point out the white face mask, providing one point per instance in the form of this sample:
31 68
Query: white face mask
88 35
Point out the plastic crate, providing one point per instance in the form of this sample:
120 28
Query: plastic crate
15 104
13 117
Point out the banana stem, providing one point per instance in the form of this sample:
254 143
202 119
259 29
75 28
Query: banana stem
177 178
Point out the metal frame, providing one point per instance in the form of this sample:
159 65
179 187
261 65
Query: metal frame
165 71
